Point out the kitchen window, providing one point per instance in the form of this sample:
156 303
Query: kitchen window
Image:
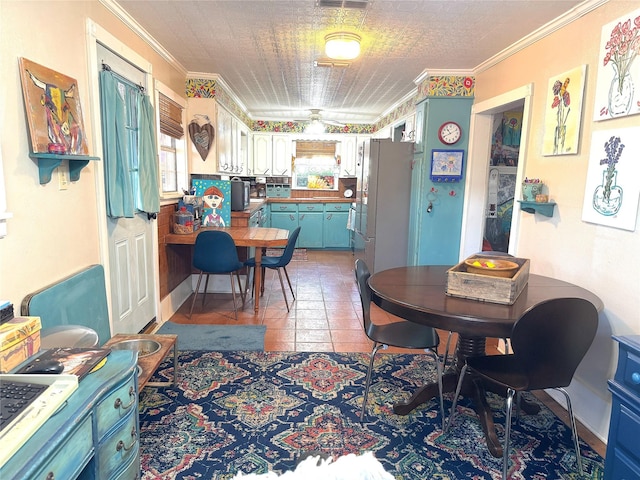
316 166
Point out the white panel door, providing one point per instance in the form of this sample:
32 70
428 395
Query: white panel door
131 277
130 241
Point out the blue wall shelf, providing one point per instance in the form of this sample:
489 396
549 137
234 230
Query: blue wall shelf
545 209
48 162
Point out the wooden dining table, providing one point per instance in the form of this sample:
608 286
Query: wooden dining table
259 237
418 294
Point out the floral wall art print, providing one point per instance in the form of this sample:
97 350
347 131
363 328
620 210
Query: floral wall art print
612 189
618 82
563 112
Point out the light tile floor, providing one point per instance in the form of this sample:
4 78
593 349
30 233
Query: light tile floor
325 317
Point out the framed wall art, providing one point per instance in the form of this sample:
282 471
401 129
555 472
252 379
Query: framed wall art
612 188
216 198
52 103
446 165
563 112
617 92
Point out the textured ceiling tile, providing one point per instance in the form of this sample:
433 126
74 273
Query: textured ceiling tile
265 49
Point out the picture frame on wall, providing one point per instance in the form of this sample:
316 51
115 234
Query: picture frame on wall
563 112
446 165
617 92
612 190
216 199
52 104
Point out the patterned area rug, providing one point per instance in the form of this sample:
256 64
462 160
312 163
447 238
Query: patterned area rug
255 412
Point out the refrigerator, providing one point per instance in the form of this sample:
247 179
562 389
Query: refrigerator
381 224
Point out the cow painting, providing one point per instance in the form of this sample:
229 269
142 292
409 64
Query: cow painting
54 110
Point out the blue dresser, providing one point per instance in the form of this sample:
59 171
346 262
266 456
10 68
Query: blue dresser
623 447
94 436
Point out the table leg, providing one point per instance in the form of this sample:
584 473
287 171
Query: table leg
472 387
466 347
257 276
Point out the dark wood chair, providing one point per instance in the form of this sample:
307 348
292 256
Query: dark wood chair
548 342
404 334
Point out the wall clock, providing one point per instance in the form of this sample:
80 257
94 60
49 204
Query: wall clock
449 133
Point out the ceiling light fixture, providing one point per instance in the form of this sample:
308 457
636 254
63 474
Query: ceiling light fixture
342 45
315 127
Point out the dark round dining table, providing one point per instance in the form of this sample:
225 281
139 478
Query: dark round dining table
418 294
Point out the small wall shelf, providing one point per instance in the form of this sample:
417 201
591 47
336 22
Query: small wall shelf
48 162
545 209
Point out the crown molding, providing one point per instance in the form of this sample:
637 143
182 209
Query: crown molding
554 25
204 76
130 22
398 104
426 73
228 90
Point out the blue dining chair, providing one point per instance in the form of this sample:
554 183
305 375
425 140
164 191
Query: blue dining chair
403 334
548 342
277 263
215 253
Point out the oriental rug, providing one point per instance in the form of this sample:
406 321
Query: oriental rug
255 412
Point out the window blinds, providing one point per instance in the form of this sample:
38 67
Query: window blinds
170 117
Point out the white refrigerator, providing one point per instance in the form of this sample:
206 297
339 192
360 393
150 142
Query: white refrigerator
382 203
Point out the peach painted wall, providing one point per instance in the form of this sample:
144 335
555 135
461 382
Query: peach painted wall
53 233
602 259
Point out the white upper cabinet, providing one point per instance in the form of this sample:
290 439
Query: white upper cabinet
243 148
347 148
224 140
262 154
281 159
233 153
409 134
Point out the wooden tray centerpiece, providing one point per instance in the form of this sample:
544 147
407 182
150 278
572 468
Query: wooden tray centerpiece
494 279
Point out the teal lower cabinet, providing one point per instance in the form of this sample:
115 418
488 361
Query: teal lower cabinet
284 215
311 223
322 225
336 234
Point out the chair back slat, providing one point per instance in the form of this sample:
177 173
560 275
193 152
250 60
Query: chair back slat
551 340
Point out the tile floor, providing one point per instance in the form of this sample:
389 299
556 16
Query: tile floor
325 317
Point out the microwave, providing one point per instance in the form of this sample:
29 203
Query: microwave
240 192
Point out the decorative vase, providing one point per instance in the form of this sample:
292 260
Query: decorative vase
530 190
620 93
607 198
558 139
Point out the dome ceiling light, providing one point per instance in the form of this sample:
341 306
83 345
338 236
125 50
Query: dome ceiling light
342 45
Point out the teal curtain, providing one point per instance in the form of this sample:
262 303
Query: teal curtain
148 154
115 140
129 148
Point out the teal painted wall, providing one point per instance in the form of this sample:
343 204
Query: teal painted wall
435 234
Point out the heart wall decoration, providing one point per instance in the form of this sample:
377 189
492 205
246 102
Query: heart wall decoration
202 137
